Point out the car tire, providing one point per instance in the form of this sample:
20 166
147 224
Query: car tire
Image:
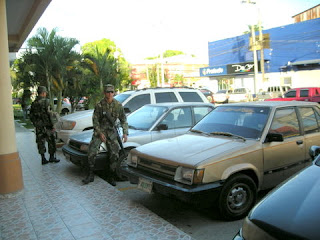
237 197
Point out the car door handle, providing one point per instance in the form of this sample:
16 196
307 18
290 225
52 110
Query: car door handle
299 142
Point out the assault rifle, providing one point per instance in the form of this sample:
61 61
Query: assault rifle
115 129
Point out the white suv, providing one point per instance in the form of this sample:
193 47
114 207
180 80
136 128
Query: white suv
131 101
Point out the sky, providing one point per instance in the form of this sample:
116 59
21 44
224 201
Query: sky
145 28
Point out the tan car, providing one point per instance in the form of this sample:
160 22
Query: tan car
231 154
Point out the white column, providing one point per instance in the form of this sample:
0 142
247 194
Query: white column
10 165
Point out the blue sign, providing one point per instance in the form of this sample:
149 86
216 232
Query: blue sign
213 71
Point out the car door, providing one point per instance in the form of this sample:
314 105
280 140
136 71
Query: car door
310 117
283 158
178 120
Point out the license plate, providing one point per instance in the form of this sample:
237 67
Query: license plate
145 185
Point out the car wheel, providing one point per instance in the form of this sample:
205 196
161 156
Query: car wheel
237 197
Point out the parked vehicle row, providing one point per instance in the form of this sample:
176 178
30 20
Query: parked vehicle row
231 154
131 101
149 123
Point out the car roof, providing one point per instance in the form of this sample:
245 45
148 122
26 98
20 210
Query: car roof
273 104
181 104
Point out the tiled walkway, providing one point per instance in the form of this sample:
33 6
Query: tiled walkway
55 205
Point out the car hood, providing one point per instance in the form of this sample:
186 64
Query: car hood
193 149
85 136
292 210
78 115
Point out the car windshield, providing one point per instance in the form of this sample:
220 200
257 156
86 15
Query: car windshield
145 117
122 97
244 121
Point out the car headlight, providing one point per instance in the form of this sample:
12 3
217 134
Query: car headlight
68 125
132 160
188 175
84 148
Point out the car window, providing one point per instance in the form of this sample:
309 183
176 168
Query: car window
200 112
165 97
290 94
247 122
137 102
285 121
309 120
122 97
304 92
222 91
145 117
178 118
190 97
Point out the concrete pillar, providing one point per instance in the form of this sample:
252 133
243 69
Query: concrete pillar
10 164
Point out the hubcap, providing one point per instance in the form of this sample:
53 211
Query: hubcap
238 198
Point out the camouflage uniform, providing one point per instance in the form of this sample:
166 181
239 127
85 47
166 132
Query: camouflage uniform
102 125
41 118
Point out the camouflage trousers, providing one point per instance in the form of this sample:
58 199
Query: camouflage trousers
113 152
43 135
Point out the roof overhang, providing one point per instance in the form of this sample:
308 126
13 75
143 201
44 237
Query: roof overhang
22 16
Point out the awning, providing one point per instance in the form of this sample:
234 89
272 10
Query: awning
306 62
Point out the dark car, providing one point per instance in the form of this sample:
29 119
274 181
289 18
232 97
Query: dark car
291 211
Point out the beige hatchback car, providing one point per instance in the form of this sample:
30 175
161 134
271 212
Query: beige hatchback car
231 154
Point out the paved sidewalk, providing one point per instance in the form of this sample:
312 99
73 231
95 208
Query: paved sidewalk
56 205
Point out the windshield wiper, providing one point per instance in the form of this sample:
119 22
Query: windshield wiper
228 135
132 127
198 131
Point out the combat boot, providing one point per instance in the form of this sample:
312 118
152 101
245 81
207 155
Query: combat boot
53 159
43 159
111 179
89 178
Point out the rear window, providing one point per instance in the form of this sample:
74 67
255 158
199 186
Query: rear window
190 97
165 97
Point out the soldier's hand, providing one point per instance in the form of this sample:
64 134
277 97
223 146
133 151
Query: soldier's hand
102 137
124 138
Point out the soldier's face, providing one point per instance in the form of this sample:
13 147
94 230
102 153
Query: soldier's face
109 95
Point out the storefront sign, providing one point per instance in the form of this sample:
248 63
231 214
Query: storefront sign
241 68
213 71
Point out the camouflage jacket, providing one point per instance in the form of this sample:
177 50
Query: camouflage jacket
40 113
101 124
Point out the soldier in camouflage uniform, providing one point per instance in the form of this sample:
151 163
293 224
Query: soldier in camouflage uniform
41 118
106 111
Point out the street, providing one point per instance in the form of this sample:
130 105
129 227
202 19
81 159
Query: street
201 224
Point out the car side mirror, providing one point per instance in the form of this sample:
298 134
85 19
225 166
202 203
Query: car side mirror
274 137
162 126
127 110
314 151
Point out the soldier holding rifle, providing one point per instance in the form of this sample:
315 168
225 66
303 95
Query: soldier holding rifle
42 119
105 114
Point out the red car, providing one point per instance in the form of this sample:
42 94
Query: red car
208 94
310 94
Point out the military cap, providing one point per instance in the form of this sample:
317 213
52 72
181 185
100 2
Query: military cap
108 88
42 89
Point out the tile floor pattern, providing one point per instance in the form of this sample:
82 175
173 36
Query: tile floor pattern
55 205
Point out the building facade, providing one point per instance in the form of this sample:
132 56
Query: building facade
291 56
180 70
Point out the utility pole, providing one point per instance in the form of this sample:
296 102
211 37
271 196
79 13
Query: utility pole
261 45
255 59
